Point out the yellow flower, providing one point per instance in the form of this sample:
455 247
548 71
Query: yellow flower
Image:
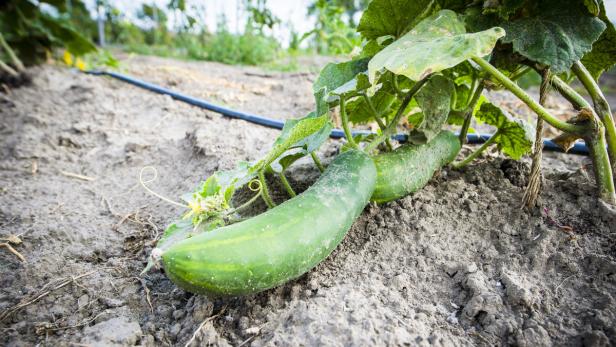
68 58
80 64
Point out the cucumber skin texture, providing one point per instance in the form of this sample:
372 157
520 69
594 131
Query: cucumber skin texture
280 244
409 167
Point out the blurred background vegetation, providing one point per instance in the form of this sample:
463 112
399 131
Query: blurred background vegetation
178 29
253 32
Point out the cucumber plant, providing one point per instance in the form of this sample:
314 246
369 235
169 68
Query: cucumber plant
423 67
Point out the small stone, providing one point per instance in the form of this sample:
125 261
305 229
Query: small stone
111 302
252 331
118 331
177 314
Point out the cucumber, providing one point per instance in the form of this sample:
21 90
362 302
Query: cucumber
409 167
280 244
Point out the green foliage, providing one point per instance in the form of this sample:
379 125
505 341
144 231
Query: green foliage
602 57
514 137
434 99
331 34
392 17
335 75
556 35
436 43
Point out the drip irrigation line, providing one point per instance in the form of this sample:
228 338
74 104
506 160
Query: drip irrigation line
578 148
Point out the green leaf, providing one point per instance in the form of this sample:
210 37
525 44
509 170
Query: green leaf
434 99
502 8
359 111
369 48
593 7
305 146
334 75
514 137
314 141
436 43
602 57
295 130
392 17
71 39
282 163
557 36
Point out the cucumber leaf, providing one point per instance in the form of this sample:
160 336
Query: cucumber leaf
282 163
392 17
434 99
602 57
314 141
514 137
334 75
359 111
557 36
502 8
305 146
436 43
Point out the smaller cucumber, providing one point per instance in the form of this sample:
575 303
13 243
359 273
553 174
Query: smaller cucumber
409 167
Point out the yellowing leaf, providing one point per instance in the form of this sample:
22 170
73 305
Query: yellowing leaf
436 43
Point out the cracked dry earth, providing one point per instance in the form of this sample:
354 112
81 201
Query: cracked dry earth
456 264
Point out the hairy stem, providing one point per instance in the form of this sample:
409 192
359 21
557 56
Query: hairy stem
317 161
569 93
521 94
287 185
345 123
244 205
601 107
377 117
18 64
265 190
476 153
601 165
468 115
391 127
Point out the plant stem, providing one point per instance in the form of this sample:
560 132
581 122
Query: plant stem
244 205
377 117
519 73
601 107
345 123
391 127
601 165
18 64
287 185
521 94
476 153
8 69
317 161
395 84
468 116
265 191
569 93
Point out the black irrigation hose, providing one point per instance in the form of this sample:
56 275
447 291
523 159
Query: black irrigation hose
578 148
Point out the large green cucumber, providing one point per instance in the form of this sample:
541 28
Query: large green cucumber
280 244
409 167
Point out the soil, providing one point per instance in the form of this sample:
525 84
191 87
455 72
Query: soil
458 263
